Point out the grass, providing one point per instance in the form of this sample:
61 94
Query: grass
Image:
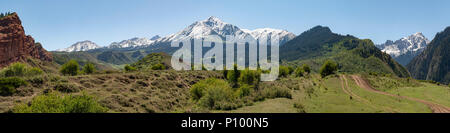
429 92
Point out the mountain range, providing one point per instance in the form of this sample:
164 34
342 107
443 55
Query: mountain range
210 26
406 48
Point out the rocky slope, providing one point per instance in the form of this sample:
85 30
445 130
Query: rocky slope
405 49
434 62
15 45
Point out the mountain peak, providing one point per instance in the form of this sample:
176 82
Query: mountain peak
321 28
80 46
406 48
213 19
155 37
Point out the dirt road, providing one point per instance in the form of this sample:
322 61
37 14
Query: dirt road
436 108
348 91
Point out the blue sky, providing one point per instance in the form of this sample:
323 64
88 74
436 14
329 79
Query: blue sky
60 23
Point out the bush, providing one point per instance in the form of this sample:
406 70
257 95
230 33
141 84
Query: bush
249 77
276 92
306 68
158 66
66 87
328 68
233 76
57 103
284 71
89 68
299 72
291 69
70 68
8 85
20 70
244 90
129 68
212 93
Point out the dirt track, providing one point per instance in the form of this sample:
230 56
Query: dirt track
348 91
436 108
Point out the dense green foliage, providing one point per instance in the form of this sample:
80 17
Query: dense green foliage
89 68
249 77
158 66
57 103
299 72
328 68
233 76
434 62
153 61
129 68
306 68
212 93
8 85
284 71
70 68
20 70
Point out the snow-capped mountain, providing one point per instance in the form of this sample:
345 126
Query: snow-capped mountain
406 48
284 35
132 43
155 37
215 26
199 29
80 46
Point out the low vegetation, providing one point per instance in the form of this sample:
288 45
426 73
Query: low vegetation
71 68
57 103
8 85
328 68
20 70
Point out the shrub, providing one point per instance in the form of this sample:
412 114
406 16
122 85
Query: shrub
212 93
8 85
20 70
299 72
66 87
250 77
16 69
284 71
129 68
158 66
328 68
34 71
57 103
89 68
233 76
276 92
291 69
244 90
306 68
70 68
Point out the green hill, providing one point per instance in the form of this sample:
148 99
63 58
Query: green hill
152 59
434 62
353 55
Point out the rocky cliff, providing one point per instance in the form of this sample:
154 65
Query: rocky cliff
15 45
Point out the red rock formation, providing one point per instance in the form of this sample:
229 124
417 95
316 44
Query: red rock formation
15 45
